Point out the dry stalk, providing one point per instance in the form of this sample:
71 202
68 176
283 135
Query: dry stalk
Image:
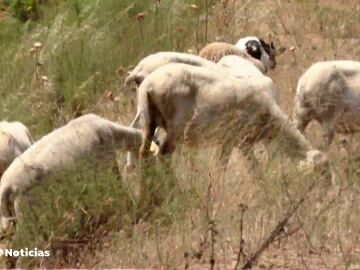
278 229
241 253
213 233
140 18
158 250
211 223
301 225
317 216
344 257
206 19
209 233
157 2
187 260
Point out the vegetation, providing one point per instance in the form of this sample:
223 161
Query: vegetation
185 212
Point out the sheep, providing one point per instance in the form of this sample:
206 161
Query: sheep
259 49
235 63
217 50
151 62
156 60
88 136
198 105
15 138
329 92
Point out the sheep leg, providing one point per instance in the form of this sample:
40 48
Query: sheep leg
329 132
5 223
149 131
168 146
329 127
302 115
302 118
129 157
190 135
7 205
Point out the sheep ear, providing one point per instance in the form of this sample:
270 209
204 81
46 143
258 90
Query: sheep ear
263 43
281 50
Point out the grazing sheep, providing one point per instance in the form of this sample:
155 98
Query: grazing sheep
248 70
88 136
217 50
259 49
150 63
15 138
198 105
329 92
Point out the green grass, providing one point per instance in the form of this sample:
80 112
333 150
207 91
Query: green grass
83 44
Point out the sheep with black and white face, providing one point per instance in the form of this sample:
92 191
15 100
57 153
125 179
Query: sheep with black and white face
261 50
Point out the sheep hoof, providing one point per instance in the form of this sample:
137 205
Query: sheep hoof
154 148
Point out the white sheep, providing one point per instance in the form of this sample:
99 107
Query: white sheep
86 137
240 68
156 60
15 138
329 92
217 50
259 49
196 105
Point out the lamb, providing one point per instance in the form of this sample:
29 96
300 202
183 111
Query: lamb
329 92
217 50
259 49
15 138
198 105
88 136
